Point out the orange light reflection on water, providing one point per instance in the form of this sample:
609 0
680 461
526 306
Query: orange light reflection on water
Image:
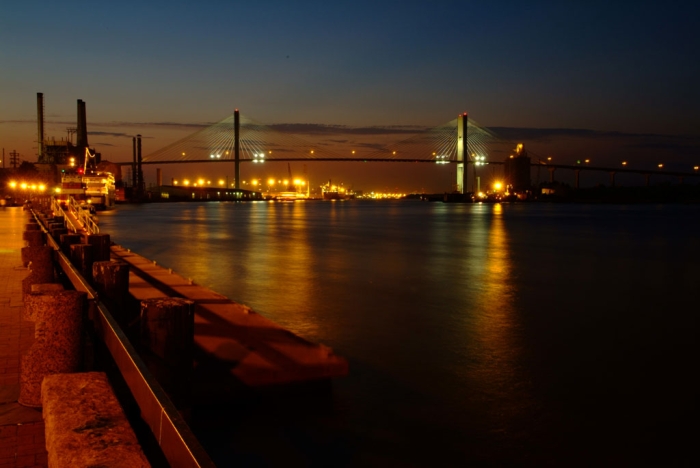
495 350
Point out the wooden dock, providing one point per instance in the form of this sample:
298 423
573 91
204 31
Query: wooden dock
233 344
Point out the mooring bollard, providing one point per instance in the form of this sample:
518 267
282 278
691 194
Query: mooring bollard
67 240
58 318
102 244
111 280
33 238
167 331
40 262
82 257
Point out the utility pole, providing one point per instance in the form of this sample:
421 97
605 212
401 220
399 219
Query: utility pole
14 159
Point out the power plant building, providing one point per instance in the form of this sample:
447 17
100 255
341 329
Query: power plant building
516 171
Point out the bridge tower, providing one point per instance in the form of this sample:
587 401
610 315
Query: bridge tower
462 151
236 149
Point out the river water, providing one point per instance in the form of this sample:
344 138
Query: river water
488 335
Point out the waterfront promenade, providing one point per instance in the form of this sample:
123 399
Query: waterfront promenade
21 429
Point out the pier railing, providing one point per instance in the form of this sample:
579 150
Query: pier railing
176 440
82 215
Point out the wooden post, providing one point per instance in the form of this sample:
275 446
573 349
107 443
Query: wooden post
82 257
101 245
111 280
67 240
167 331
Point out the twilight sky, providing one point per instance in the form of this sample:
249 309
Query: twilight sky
627 72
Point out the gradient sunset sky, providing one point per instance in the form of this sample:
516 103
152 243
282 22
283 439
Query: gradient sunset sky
538 72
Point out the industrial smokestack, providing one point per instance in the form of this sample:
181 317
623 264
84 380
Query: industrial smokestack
139 171
82 139
134 178
40 124
159 177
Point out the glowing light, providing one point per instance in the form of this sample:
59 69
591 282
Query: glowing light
221 182
660 165
42 187
696 168
285 182
254 182
624 163
23 186
13 184
57 190
497 186
270 181
186 182
200 181
587 161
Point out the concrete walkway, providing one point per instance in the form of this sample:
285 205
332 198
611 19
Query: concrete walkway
21 429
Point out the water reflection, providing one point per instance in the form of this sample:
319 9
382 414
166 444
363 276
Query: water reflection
494 350
279 264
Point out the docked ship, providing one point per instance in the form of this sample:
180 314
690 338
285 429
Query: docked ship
336 192
95 188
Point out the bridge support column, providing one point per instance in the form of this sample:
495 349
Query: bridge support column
236 149
462 151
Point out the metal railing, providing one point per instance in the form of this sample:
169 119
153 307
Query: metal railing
86 221
175 438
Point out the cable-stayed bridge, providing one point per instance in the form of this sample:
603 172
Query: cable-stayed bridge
240 139
262 142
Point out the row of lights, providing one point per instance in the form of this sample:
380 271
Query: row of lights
198 183
27 186
271 182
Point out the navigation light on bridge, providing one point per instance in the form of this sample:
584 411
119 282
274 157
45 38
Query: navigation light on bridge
480 160
441 159
259 157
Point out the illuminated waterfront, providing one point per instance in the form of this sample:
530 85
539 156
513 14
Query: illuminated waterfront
531 334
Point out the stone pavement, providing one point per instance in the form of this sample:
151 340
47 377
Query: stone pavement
21 429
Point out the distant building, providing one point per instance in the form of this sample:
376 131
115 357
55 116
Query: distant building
516 171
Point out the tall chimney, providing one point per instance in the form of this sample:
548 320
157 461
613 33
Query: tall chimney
139 171
40 124
82 139
134 178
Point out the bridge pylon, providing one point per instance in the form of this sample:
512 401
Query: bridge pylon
237 149
462 151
